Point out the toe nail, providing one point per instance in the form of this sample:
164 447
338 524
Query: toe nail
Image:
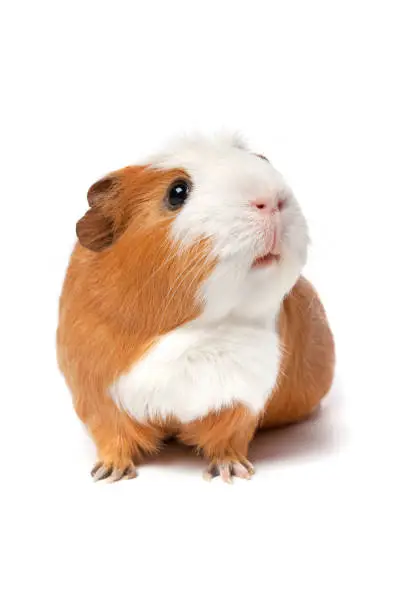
241 471
102 473
116 475
96 468
225 473
130 472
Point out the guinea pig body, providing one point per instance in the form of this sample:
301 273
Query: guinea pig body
206 365
184 313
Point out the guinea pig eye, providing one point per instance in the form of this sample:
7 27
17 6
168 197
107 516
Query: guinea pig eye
262 157
177 194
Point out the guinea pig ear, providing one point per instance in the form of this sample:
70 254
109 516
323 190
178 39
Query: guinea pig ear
100 190
96 229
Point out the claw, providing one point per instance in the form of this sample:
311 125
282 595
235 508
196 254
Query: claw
116 475
101 471
211 471
96 468
240 471
248 466
130 472
225 473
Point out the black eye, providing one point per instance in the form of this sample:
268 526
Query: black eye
177 194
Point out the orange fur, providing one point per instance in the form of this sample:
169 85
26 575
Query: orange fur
307 367
221 436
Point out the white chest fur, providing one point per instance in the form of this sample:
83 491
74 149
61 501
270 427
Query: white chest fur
196 368
231 353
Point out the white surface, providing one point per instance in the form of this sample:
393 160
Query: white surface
321 90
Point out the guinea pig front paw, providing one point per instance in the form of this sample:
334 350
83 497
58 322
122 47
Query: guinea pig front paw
241 468
112 473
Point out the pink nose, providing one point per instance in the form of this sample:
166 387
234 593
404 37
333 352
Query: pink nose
265 206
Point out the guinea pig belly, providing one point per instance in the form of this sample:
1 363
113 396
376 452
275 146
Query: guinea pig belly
195 369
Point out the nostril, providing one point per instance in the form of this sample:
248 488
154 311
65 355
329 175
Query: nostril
268 206
259 204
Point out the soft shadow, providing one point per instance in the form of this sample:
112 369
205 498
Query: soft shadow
322 434
176 454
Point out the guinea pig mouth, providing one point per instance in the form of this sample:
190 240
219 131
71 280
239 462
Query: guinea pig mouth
272 248
266 260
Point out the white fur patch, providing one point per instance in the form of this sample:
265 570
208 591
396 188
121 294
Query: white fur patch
231 352
195 369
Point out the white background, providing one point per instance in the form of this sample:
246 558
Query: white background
321 89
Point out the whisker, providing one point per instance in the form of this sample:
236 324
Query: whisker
202 260
193 265
164 263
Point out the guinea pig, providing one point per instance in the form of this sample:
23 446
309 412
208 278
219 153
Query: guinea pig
184 313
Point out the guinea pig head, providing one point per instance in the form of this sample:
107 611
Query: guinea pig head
198 227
